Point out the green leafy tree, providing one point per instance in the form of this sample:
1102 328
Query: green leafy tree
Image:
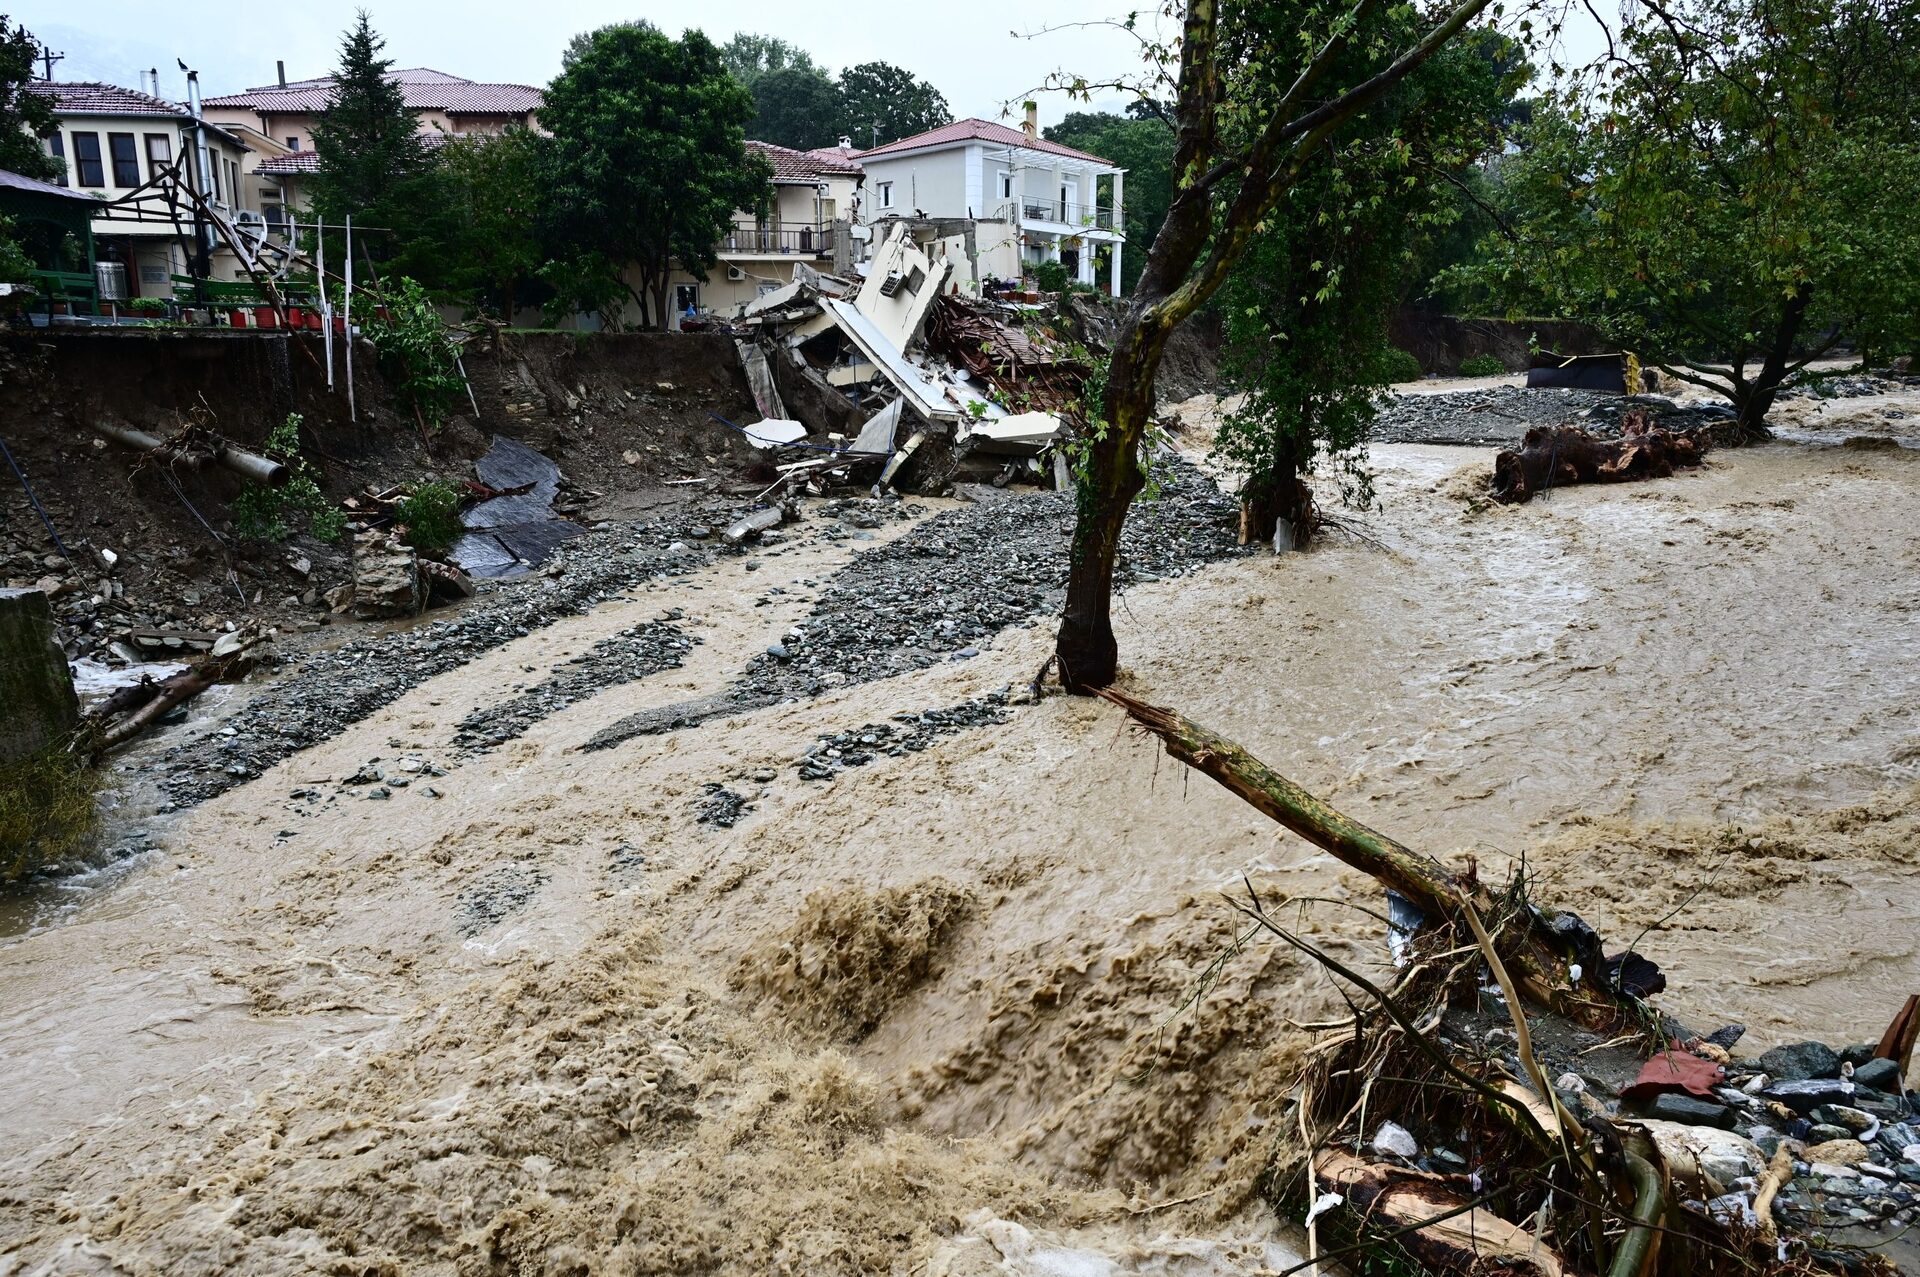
1143 147
266 513
1727 208
797 107
881 103
25 117
749 56
1258 91
478 239
15 262
1306 309
649 162
372 162
583 40
417 356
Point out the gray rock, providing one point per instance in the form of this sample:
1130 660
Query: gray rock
386 577
1806 1096
1766 1139
1878 1075
1844 1116
1691 1111
1823 1132
1801 1061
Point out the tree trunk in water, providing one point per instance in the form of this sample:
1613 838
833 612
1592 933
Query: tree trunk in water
1089 655
1275 501
1756 402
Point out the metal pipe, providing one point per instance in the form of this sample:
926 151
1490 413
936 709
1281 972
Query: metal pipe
249 465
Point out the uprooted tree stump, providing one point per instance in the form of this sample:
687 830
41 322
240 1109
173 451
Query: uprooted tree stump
1561 456
1555 1192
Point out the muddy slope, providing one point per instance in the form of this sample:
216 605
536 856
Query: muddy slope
957 1009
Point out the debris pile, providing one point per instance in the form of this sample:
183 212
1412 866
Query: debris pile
894 383
1560 456
1509 1100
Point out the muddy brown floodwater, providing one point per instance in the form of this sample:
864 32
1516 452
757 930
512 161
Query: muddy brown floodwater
930 1015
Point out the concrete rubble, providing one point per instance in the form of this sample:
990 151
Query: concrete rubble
895 381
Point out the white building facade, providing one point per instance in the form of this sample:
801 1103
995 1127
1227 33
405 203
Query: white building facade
1034 200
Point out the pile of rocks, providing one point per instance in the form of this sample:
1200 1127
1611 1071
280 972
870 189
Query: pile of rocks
627 657
1500 416
949 585
906 734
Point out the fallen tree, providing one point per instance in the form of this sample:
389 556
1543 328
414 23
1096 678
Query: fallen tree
131 710
1547 1190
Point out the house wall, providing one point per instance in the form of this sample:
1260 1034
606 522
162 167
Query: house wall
935 182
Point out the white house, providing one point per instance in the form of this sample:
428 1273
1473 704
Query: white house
815 196
112 141
1033 200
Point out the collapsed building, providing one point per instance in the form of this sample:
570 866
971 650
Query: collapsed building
897 381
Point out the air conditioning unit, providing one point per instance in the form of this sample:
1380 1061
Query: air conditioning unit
251 224
735 274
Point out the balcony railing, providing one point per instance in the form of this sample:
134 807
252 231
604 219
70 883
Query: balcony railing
802 239
1097 216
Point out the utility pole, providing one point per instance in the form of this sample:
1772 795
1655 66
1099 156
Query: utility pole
203 179
47 58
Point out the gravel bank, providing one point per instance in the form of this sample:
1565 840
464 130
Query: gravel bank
330 690
947 587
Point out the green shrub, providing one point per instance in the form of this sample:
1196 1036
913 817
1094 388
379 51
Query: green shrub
1051 277
432 515
264 513
417 357
1393 365
1483 366
47 810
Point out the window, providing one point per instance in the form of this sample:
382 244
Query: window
686 298
126 160
885 190
159 153
214 168
1006 185
293 144
276 217
233 182
86 159
57 148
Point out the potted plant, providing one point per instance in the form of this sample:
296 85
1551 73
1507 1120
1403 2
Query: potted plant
147 308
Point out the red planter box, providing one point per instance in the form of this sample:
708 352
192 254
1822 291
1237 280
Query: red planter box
265 317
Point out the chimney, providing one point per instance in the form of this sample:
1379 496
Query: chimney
153 74
281 66
1032 127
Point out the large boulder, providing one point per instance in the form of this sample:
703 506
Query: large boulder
386 577
35 684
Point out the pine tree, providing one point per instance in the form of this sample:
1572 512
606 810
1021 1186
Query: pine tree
371 157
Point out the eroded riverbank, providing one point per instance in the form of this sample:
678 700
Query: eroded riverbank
886 1013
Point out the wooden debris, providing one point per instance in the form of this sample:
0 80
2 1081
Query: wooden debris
1561 456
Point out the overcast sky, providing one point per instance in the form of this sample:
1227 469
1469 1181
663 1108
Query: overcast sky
968 52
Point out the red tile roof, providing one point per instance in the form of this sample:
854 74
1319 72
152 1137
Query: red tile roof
94 98
294 164
425 90
809 167
977 131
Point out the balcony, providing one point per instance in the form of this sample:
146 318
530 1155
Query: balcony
777 239
1099 217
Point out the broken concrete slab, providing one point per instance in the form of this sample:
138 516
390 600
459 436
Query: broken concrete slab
1025 435
923 396
876 436
775 431
517 530
35 684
